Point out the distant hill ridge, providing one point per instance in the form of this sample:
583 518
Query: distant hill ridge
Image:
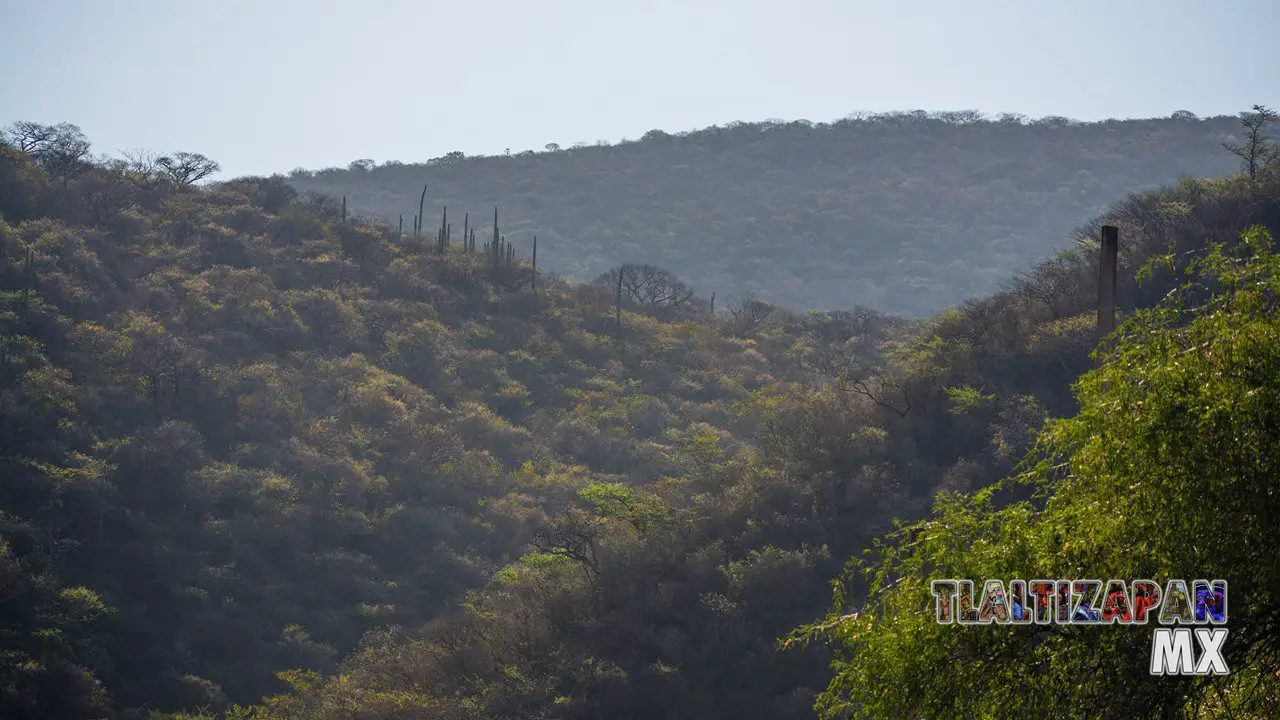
907 212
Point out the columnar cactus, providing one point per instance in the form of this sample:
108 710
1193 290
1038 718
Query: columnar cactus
421 201
441 238
494 244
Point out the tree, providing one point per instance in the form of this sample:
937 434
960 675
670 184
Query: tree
1258 153
185 169
140 166
1054 283
22 184
748 313
28 136
656 291
62 149
1169 467
961 117
105 193
576 534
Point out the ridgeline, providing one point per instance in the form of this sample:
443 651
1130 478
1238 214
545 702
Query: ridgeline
908 212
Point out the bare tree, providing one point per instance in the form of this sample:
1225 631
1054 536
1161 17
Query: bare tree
883 390
1258 152
859 321
186 169
62 149
574 534
141 161
653 289
139 167
1054 283
748 313
27 136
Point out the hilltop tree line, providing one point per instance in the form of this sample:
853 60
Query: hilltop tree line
906 212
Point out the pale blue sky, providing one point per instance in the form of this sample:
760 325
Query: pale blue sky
268 85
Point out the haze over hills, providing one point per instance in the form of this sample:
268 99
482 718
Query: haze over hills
269 453
258 451
906 212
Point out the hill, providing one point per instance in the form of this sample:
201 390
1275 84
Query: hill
654 631
908 213
258 452
238 430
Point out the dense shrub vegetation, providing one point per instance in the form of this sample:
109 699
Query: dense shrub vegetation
259 452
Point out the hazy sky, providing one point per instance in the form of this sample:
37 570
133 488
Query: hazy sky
269 85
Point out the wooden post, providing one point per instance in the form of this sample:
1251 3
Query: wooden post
1107 284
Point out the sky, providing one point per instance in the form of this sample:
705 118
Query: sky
265 86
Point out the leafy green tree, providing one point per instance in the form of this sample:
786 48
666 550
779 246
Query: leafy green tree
1167 471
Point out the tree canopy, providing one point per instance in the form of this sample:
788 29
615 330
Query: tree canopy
1167 471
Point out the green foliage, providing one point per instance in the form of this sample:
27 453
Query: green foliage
617 501
239 433
965 399
1167 470
256 454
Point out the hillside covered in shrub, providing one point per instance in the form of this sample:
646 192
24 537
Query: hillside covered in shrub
260 453
907 212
